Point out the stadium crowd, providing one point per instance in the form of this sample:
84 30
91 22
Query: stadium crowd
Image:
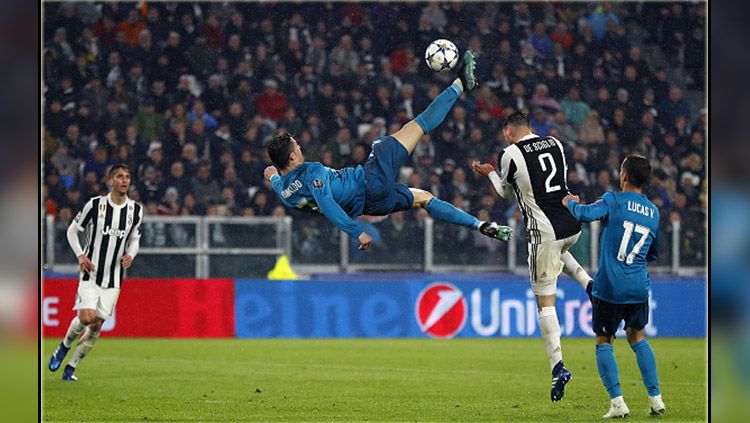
188 94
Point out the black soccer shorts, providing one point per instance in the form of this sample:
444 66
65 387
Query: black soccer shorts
607 316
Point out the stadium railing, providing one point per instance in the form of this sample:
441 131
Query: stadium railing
213 246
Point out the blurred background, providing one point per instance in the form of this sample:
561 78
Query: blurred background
188 94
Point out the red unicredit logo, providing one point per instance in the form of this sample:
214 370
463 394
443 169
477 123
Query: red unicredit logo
441 310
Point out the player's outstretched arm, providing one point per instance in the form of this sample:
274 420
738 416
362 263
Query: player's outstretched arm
323 196
587 213
501 185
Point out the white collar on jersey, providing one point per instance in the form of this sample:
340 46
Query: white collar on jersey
528 137
112 203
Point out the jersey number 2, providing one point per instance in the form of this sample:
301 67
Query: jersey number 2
629 227
552 171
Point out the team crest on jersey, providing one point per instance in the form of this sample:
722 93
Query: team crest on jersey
317 183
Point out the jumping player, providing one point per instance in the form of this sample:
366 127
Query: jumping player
343 194
535 169
628 240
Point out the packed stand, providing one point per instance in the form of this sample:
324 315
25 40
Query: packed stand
188 94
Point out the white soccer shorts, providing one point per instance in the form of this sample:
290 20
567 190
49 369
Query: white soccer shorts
545 264
94 297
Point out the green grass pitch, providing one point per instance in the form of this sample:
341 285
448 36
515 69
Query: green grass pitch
464 380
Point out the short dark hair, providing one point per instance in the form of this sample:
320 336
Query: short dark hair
518 118
638 170
279 149
113 170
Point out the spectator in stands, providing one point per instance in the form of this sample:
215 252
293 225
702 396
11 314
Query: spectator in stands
98 163
568 133
600 19
575 109
205 189
341 73
672 107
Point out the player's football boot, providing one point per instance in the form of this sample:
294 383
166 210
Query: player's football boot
590 290
656 406
494 230
57 357
68 373
560 377
617 409
466 72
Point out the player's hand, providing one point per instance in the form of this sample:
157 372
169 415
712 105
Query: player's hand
84 264
127 261
483 169
569 197
269 172
364 241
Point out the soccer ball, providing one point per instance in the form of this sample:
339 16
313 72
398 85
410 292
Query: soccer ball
441 55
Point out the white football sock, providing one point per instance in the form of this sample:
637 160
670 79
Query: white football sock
84 347
74 331
574 270
550 329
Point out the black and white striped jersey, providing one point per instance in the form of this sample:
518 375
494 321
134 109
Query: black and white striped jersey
535 169
111 232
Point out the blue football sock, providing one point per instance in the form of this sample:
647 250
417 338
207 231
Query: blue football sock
447 212
439 108
607 365
647 363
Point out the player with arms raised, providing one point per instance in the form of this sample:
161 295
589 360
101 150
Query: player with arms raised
628 241
535 169
343 194
113 225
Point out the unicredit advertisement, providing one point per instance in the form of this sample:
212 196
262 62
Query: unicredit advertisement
164 308
443 308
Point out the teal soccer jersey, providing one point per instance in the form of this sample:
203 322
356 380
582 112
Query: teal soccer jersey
337 194
343 194
627 242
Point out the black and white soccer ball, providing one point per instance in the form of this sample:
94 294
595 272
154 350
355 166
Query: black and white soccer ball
441 55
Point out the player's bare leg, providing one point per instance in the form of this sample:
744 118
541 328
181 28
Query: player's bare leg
447 212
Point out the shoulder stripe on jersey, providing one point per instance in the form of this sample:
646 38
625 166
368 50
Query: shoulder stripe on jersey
104 245
89 216
92 234
121 226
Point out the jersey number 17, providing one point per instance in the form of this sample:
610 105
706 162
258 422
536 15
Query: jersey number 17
629 228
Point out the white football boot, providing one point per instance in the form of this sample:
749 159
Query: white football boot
617 409
656 406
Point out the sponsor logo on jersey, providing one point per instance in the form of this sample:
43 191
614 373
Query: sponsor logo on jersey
113 232
317 183
441 310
